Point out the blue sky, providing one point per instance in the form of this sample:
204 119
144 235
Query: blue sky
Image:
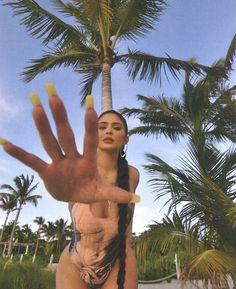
202 29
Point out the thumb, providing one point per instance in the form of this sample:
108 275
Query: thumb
115 194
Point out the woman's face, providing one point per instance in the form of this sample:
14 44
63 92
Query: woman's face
111 132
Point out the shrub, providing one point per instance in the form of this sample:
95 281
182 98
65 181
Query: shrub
25 276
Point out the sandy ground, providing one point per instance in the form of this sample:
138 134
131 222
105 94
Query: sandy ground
165 285
174 284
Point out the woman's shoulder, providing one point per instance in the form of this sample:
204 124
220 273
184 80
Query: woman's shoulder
134 175
133 171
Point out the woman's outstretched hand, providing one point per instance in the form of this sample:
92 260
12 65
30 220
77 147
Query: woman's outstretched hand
71 176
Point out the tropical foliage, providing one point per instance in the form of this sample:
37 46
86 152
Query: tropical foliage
39 221
22 193
89 43
202 189
8 204
50 238
26 275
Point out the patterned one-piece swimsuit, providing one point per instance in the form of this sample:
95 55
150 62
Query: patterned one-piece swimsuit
93 248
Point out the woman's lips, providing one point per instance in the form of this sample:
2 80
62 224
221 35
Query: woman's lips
108 140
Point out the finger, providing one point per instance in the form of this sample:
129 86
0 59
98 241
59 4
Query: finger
42 124
115 194
26 158
91 134
64 132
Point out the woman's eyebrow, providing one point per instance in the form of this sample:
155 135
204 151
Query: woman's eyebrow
117 123
105 122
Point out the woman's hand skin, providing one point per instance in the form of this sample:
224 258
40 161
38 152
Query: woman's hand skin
71 176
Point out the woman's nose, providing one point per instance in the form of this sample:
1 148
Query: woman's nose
109 130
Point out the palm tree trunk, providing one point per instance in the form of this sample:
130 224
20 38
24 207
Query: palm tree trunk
106 87
4 225
12 233
37 244
58 245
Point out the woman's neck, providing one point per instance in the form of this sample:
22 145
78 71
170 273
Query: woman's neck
107 160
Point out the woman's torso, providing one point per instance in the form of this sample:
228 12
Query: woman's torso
93 234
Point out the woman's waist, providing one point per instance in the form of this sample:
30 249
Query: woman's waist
88 254
98 230
95 240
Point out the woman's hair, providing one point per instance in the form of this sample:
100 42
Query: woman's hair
122 182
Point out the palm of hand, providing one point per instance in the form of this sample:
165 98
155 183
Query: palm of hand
71 179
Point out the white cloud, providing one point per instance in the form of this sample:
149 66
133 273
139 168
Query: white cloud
8 109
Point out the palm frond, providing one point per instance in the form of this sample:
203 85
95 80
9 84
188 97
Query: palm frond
166 180
151 68
89 77
58 58
41 23
173 235
159 115
8 202
9 188
135 18
95 9
225 119
31 189
211 265
229 59
33 199
99 12
84 24
216 74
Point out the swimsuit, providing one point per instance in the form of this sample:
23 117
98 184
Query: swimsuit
94 246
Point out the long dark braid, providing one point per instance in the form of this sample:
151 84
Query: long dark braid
122 182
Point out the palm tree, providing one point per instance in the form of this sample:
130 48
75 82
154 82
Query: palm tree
212 99
205 194
161 242
28 236
7 231
6 236
175 119
8 204
61 232
203 188
23 194
39 221
49 230
89 45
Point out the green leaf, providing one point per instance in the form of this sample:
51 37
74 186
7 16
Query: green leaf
66 57
211 265
151 68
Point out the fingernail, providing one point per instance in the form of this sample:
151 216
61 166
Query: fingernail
89 101
135 198
50 88
35 98
3 141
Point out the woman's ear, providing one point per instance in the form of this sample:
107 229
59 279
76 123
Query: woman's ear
126 139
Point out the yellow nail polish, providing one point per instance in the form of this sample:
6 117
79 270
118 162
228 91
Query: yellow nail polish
50 88
35 98
89 101
3 141
135 198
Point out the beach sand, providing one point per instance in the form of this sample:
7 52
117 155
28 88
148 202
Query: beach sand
174 284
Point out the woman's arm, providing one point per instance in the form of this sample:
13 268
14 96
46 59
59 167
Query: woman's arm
131 271
71 176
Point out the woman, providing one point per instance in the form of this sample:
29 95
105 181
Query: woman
100 255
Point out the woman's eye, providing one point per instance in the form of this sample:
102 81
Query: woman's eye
117 128
101 127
